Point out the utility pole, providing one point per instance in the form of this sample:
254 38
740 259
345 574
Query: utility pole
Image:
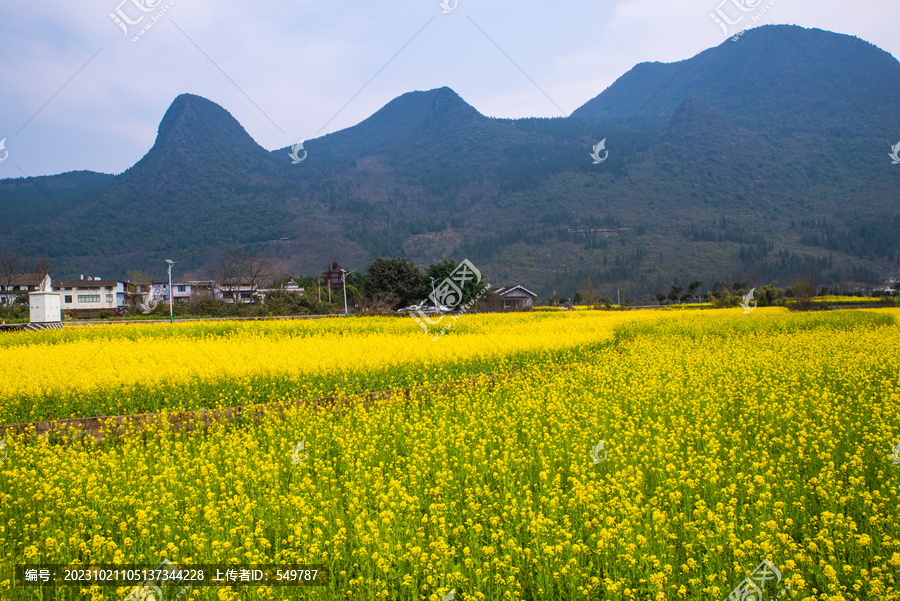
433 297
344 274
171 312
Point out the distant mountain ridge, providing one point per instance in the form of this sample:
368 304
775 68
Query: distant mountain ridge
761 158
797 68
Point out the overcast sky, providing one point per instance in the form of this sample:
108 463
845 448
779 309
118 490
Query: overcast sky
76 92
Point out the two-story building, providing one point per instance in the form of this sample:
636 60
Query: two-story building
87 298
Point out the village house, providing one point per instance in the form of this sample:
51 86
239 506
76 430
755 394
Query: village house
88 297
21 284
182 292
516 298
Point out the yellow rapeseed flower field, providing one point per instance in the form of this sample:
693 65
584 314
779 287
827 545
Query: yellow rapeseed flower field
119 369
632 455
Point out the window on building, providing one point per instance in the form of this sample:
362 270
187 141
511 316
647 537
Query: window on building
109 298
182 288
88 298
68 298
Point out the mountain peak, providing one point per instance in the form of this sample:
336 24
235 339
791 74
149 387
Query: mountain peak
196 136
422 110
795 72
194 123
195 133
187 107
436 116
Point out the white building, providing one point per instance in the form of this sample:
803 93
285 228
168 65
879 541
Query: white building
87 298
247 293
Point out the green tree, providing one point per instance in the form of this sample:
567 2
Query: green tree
770 296
397 279
674 293
694 289
440 271
727 299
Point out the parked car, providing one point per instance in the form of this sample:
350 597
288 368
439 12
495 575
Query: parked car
425 309
409 309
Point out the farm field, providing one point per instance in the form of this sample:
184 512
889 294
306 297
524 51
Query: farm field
727 439
122 369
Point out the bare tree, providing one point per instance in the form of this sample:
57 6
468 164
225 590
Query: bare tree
379 302
871 280
139 287
804 290
11 264
231 270
490 303
241 271
14 265
41 267
589 292
260 271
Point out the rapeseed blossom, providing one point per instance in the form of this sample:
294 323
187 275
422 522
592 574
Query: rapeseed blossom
730 439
